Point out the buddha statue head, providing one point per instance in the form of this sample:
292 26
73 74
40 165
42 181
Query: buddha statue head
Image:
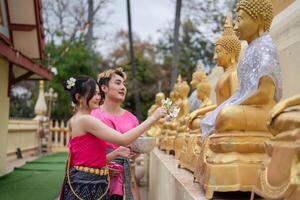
203 90
254 17
183 89
158 97
198 76
228 47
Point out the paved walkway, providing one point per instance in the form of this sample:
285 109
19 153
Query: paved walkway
18 163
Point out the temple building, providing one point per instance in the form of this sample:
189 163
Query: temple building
21 45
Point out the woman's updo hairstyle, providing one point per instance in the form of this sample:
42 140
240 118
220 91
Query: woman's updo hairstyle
83 85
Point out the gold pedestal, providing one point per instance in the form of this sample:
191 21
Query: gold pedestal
190 151
169 141
279 176
230 161
179 143
162 139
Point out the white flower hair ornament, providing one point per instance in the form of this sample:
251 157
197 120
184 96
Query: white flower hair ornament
71 82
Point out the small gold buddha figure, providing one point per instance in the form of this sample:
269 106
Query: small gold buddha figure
198 76
155 130
190 149
279 176
168 124
203 93
182 89
243 116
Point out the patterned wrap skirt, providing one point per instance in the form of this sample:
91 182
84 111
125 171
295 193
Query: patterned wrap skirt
85 186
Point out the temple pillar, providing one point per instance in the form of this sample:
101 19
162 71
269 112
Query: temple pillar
4 107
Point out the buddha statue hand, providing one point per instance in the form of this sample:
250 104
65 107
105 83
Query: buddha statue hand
276 110
192 116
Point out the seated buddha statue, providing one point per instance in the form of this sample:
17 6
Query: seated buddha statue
279 174
285 115
226 55
189 150
168 125
234 133
227 51
155 130
198 76
182 89
258 74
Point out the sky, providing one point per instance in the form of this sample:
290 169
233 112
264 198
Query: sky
147 17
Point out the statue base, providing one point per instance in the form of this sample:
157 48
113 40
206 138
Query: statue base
230 161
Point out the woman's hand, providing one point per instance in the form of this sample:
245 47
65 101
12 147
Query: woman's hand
123 152
159 113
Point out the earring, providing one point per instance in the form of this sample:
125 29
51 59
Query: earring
80 104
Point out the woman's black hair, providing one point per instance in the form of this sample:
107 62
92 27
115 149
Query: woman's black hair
83 85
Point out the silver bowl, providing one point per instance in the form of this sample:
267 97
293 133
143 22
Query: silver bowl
143 144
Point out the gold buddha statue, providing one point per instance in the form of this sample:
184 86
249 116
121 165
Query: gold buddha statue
168 126
190 149
284 116
182 90
279 176
226 55
155 130
234 133
227 52
198 76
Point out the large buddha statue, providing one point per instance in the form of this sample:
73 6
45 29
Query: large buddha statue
237 128
258 74
279 176
155 130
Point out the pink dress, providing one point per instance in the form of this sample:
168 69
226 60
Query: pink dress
121 123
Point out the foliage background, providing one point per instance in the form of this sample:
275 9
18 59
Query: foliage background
70 50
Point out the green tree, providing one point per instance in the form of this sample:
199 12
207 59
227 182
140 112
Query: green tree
148 72
192 47
70 60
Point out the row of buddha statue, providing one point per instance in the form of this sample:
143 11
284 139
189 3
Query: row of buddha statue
247 141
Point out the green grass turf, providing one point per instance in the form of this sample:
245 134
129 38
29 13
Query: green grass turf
37 180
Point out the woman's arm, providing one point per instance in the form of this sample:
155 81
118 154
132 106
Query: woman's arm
100 130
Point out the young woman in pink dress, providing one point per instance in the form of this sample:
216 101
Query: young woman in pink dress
86 175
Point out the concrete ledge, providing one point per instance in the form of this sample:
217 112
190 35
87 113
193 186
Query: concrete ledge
168 182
